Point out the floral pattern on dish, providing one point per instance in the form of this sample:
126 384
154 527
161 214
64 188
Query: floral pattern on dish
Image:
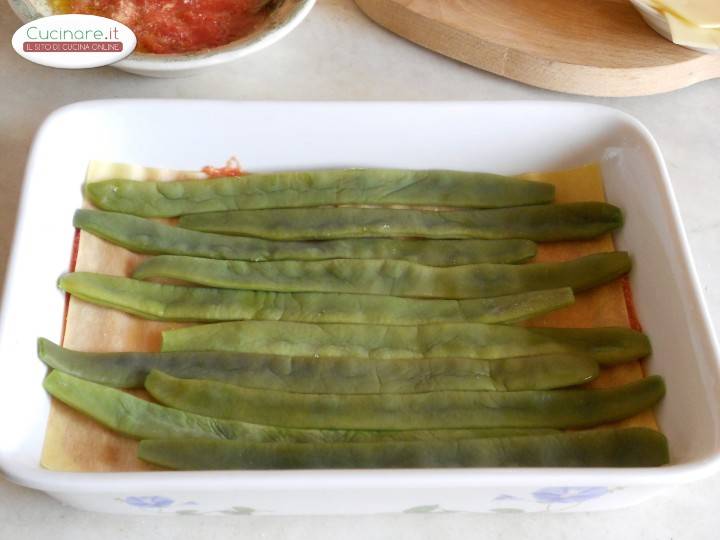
151 501
554 498
547 499
550 495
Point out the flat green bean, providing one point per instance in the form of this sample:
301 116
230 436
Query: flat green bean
542 223
629 447
326 375
392 278
608 345
178 303
453 340
574 408
147 236
141 419
317 188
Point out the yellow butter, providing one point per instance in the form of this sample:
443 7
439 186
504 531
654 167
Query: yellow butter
702 13
684 33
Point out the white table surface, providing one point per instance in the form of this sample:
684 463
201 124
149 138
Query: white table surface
338 54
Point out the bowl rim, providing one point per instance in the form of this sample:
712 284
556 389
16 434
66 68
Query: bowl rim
645 6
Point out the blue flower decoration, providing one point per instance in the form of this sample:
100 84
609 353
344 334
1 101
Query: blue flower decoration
568 494
149 502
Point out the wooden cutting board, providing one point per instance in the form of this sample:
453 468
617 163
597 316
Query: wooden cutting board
590 47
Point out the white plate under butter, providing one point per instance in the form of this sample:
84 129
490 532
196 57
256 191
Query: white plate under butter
657 21
502 137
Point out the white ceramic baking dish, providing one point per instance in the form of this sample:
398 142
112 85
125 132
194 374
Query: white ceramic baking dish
509 137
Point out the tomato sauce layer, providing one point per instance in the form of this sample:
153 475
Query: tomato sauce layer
176 26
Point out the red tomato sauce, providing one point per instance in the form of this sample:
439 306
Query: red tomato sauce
231 168
177 26
630 303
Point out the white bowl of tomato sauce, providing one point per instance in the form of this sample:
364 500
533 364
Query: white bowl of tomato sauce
182 37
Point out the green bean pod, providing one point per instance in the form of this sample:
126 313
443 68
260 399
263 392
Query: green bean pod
608 346
147 236
450 340
541 223
327 375
141 419
178 303
391 278
630 447
317 188
425 410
